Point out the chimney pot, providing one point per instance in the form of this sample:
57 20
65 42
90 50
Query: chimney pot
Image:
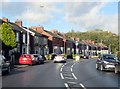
5 19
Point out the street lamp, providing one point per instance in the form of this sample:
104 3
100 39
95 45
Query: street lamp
28 32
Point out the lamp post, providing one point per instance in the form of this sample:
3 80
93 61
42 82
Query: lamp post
28 33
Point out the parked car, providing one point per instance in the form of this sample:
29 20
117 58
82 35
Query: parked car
30 59
39 59
4 65
59 58
117 67
106 62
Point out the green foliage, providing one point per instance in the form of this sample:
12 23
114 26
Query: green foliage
98 36
50 56
74 55
7 35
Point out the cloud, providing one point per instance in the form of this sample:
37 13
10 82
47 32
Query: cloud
87 16
83 15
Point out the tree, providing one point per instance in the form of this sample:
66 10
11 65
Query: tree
7 36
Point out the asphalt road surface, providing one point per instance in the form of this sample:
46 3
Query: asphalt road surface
72 74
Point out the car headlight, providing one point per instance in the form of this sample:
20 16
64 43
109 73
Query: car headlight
105 62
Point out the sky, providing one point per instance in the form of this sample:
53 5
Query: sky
63 15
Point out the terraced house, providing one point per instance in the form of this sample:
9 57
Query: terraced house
55 42
40 41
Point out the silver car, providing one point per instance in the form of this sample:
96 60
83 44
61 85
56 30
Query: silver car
106 62
4 65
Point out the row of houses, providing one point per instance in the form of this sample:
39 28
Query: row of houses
40 41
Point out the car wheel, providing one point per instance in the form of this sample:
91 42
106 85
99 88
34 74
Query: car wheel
116 69
97 66
8 71
101 67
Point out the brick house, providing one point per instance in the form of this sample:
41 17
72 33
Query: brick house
55 42
20 39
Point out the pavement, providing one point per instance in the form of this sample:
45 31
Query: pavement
22 66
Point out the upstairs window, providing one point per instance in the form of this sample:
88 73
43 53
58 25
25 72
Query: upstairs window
24 38
17 37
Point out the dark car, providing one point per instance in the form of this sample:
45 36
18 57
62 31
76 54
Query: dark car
4 65
39 59
106 62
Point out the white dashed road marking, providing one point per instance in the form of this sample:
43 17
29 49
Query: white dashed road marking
61 69
71 70
61 75
74 76
71 82
66 85
82 86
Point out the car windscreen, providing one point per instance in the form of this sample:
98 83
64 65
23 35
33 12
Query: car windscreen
109 57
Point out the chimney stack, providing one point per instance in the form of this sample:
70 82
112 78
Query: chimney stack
38 29
18 22
5 19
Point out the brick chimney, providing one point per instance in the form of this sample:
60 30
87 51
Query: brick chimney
18 22
5 19
38 29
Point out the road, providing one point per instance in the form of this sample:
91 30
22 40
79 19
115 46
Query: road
71 74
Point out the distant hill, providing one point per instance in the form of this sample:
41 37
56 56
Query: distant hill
98 35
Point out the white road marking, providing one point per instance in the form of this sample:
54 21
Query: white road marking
71 82
61 75
74 76
82 86
69 78
72 66
61 69
66 85
63 66
71 69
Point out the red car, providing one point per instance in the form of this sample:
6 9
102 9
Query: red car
31 59
25 59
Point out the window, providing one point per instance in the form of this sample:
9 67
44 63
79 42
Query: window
23 38
17 36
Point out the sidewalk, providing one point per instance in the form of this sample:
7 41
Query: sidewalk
22 66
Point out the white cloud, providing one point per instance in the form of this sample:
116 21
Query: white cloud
84 15
87 16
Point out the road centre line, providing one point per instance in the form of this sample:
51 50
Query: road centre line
61 69
72 65
82 86
74 76
71 70
61 75
66 85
